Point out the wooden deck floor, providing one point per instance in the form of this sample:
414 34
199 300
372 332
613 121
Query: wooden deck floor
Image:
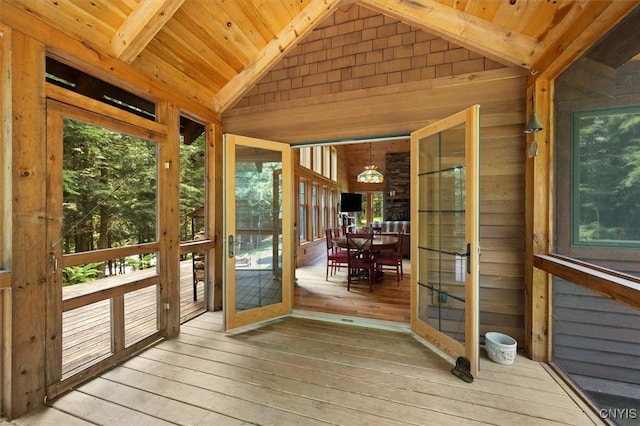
299 371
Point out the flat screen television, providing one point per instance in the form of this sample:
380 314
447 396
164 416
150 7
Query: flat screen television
350 202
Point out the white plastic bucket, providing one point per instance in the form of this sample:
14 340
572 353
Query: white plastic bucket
500 347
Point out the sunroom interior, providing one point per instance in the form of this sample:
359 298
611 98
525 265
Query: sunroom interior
114 166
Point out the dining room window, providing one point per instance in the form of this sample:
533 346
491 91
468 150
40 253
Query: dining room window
324 212
315 212
305 157
317 159
303 208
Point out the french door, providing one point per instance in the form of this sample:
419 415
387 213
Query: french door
445 234
258 230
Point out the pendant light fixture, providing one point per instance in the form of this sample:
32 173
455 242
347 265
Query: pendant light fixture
370 173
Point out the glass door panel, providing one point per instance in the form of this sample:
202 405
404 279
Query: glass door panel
259 230
444 172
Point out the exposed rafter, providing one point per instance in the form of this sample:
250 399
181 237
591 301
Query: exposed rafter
299 27
141 27
471 32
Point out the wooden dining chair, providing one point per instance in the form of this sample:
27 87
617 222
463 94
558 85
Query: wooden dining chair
360 259
335 256
392 260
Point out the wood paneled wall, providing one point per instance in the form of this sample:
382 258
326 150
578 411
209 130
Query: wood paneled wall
404 107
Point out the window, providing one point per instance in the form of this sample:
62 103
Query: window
305 157
334 164
326 162
377 206
317 159
333 213
110 191
605 184
324 224
315 212
597 157
302 210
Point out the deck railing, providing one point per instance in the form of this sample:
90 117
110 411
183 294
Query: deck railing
596 337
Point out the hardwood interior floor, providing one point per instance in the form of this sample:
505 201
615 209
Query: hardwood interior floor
302 372
387 302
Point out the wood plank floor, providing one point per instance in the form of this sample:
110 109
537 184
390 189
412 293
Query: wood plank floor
387 301
303 372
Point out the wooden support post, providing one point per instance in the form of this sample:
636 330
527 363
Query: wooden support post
169 220
29 262
538 219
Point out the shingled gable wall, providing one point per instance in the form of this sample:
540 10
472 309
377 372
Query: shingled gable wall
356 48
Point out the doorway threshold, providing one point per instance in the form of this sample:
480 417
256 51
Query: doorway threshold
350 320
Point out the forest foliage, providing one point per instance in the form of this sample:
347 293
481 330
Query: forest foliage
607 177
110 194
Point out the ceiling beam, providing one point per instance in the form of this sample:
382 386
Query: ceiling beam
476 34
141 27
284 41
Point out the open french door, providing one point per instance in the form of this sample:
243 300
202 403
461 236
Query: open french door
258 230
445 235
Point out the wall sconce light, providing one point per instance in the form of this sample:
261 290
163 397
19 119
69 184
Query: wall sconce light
533 126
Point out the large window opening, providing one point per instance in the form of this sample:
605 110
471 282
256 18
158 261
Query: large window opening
194 262
108 202
596 337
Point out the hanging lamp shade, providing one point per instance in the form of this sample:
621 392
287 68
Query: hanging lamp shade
370 174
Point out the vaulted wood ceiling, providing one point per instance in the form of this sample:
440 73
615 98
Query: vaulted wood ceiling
212 52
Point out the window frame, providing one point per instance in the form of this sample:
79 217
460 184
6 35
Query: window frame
303 210
562 239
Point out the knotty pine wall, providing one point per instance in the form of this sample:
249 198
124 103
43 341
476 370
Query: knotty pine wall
360 74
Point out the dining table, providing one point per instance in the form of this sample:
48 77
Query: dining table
379 242
376 244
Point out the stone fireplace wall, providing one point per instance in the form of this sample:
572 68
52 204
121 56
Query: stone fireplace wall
397 186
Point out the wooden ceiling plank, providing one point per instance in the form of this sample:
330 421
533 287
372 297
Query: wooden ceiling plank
494 41
185 42
212 25
191 67
171 72
141 26
582 34
562 20
276 12
67 15
286 39
484 9
253 30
